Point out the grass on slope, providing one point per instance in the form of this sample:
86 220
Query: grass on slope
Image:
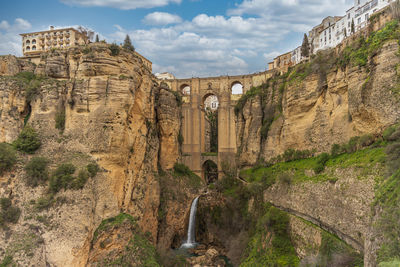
301 170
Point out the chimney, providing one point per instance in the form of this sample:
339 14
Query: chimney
51 28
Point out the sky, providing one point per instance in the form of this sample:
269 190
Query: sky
188 38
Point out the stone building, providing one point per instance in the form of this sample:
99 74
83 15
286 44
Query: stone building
33 44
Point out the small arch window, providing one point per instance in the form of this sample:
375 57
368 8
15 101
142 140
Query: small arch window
28 42
33 41
34 48
237 88
28 48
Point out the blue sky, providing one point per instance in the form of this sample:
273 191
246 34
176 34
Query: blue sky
185 37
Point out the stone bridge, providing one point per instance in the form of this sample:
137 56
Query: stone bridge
228 90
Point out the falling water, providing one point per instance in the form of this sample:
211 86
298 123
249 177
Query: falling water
191 239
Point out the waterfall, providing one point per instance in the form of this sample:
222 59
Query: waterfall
191 239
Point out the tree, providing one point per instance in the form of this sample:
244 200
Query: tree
97 38
128 44
86 33
352 26
305 47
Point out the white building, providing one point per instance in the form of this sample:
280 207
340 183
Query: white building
165 76
296 56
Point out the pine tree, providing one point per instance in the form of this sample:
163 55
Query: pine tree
352 26
305 47
97 38
128 44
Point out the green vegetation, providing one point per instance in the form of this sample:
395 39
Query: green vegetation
209 154
60 120
62 177
36 171
114 49
93 169
334 252
138 250
108 224
394 263
128 44
183 172
268 175
271 245
387 198
7 261
7 157
8 213
28 140
30 82
358 53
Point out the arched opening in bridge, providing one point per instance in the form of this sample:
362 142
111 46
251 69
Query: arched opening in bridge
210 172
185 89
210 103
237 88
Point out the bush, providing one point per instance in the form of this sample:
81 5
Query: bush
80 181
285 178
114 48
44 203
7 157
182 170
36 171
321 161
60 120
336 150
28 140
388 132
62 177
9 213
7 261
93 169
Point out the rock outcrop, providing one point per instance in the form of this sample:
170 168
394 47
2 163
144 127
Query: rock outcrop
325 107
110 111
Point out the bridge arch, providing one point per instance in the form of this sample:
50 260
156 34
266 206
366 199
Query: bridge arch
185 89
237 88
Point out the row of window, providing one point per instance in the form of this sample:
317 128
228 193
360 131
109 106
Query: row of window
28 48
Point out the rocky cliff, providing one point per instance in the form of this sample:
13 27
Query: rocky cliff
320 103
109 106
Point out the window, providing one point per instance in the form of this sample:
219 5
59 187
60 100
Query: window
366 16
34 48
359 20
28 48
28 42
348 16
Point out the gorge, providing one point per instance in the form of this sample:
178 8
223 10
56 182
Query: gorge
107 163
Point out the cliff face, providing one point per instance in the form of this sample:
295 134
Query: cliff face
321 104
109 104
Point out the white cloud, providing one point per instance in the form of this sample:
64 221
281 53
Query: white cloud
121 4
10 41
161 18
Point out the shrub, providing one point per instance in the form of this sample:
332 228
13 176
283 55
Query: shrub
80 181
388 132
60 120
93 169
336 150
62 177
7 157
321 161
182 170
28 140
9 213
44 203
285 178
36 171
114 48
7 261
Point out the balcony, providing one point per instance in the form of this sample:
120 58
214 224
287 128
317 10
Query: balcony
55 42
67 41
48 43
41 37
66 34
48 36
61 41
